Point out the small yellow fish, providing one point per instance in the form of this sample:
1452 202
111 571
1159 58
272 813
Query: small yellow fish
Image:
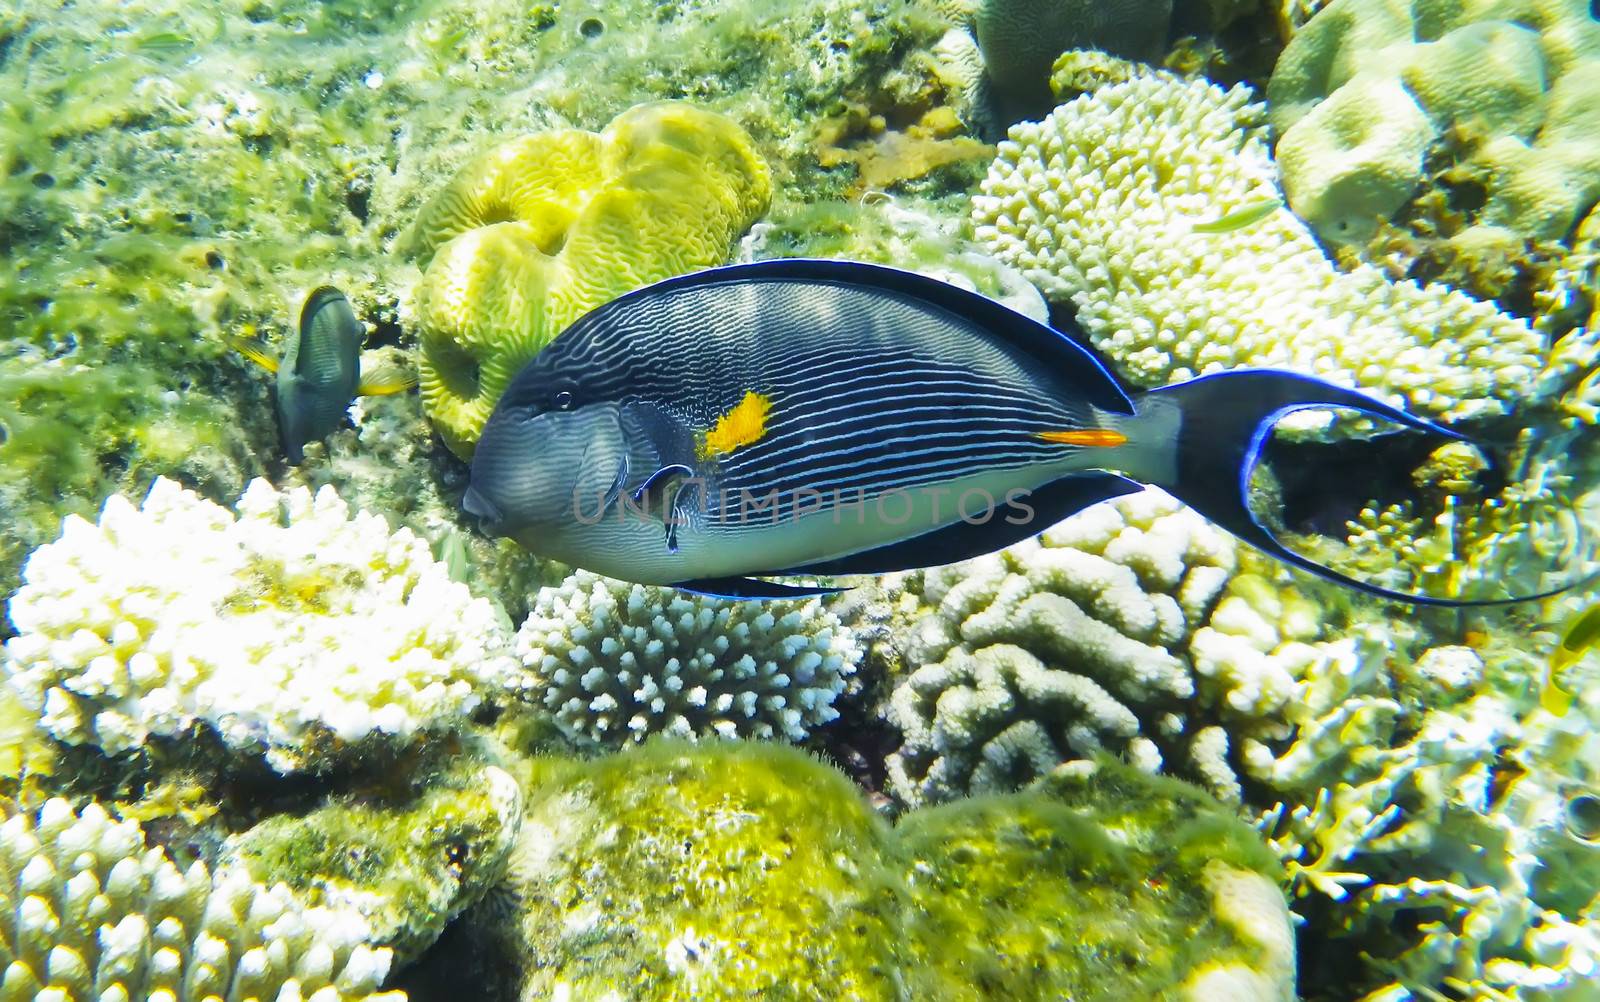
1581 634
1238 219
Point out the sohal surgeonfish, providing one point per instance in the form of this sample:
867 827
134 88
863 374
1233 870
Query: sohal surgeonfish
807 417
320 372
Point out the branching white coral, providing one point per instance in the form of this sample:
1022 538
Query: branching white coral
1098 204
616 662
91 914
292 628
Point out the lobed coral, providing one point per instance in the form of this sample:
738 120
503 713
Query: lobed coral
742 868
293 628
1098 205
615 663
1017 40
1368 89
1124 628
534 234
93 914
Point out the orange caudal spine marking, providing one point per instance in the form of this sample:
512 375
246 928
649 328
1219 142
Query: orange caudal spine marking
1094 438
743 424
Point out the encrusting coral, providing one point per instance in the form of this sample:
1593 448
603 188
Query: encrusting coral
1368 89
740 869
1099 205
294 629
614 662
92 914
407 865
536 233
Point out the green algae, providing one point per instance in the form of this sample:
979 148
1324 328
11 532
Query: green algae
742 869
408 862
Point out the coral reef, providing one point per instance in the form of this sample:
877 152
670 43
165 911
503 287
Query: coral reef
732 869
93 914
406 865
177 173
1124 628
293 629
538 232
1442 797
615 662
1367 89
1098 205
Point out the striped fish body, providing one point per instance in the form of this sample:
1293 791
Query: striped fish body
799 417
319 372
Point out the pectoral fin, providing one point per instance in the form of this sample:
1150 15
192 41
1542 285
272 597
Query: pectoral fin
384 380
657 497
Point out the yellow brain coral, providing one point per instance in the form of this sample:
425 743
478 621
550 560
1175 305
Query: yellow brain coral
534 234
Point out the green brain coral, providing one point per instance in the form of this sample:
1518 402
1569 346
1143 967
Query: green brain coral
745 870
536 233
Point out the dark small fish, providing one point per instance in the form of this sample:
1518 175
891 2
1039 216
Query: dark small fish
320 372
826 417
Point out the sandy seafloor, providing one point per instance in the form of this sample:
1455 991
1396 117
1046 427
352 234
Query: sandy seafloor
286 731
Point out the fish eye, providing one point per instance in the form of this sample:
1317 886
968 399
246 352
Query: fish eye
563 400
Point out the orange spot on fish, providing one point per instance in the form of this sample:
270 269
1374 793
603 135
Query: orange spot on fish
1093 438
744 424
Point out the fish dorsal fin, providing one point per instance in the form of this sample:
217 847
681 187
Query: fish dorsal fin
965 539
1062 352
253 349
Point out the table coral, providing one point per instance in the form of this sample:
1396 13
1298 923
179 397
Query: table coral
737 869
1098 205
1368 88
617 662
1123 628
294 628
534 234
91 914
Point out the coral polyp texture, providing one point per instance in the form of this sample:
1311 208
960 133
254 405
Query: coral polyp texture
1099 205
92 914
1124 628
1504 89
616 662
294 628
747 869
534 234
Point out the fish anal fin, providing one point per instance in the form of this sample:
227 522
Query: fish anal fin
252 349
751 588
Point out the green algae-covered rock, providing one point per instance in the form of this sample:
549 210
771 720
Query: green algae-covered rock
408 863
1098 883
721 871
748 870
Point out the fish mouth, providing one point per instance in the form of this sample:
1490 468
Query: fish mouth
473 503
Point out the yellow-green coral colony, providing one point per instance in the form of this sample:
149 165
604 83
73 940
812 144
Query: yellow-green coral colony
536 233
